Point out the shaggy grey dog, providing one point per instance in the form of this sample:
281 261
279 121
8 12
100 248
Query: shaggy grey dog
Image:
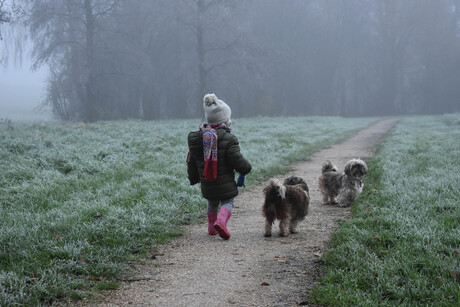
345 187
287 202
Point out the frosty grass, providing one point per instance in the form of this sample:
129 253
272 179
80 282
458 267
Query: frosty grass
79 200
402 246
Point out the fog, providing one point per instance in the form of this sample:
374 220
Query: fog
22 91
111 59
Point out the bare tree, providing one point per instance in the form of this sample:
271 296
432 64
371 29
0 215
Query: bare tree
112 59
216 39
4 18
5 15
67 36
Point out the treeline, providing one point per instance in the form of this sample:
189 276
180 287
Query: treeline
112 59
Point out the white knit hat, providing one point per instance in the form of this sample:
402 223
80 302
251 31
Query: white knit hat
216 111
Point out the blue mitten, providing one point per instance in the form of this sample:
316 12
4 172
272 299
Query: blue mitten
240 182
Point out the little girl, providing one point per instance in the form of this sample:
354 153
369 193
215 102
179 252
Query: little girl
214 156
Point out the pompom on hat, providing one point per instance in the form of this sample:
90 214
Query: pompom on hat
216 111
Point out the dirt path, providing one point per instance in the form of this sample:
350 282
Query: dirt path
249 269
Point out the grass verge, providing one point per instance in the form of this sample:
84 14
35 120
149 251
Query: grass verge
401 248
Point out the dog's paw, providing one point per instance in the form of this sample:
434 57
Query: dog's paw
267 234
294 231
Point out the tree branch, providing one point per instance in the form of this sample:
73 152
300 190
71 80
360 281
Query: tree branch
112 6
226 47
217 65
187 3
188 24
4 14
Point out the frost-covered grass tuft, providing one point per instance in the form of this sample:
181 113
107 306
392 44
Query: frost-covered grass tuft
402 246
77 201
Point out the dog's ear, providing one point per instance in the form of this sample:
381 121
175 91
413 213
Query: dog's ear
265 190
268 187
365 168
347 168
328 167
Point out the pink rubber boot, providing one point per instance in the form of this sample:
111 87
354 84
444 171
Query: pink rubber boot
221 224
212 218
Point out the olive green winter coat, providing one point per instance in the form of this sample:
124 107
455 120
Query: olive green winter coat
229 160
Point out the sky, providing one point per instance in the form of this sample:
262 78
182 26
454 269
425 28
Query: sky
21 91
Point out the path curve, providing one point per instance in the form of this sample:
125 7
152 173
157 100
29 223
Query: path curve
249 269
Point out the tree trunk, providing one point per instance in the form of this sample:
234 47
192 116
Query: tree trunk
201 56
90 103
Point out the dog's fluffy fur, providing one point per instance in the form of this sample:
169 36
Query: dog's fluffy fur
287 202
346 187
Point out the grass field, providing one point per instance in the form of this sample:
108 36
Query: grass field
78 201
402 246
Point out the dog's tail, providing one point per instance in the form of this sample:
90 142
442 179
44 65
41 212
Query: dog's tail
328 167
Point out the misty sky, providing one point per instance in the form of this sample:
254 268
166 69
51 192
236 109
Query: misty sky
21 90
